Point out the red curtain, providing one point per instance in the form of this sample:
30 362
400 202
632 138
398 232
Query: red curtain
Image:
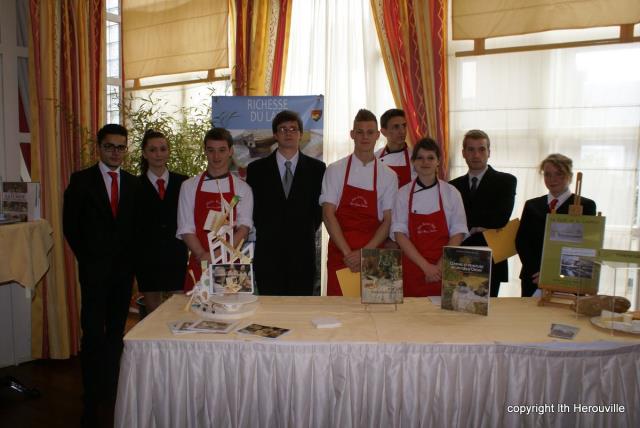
413 39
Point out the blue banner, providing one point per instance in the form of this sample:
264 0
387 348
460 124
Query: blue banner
249 121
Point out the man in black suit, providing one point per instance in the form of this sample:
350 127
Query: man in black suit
98 223
286 214
488 196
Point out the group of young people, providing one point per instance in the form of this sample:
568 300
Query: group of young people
152 226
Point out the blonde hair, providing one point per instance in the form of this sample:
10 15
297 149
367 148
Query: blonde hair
561 162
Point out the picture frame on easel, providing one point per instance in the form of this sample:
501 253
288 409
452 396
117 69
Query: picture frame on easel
570 243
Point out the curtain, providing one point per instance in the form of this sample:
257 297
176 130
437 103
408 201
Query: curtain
261 39
335 52
162 37
413 39
473 19
67 85
582 102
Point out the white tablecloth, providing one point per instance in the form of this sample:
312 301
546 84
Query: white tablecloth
419 366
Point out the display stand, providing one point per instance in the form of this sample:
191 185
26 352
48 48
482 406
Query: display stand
625 284
562 289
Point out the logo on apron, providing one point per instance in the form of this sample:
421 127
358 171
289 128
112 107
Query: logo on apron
359 201
426 228
214 205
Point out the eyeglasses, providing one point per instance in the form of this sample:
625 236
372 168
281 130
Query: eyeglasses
288 130
120 148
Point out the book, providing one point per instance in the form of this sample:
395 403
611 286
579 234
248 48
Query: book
20 201
265 331
381 276
466 279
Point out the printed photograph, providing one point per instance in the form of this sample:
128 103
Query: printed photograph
563 331
573 263
266 331
567 232
233 278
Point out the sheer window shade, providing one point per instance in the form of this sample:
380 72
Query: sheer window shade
472 19
169 37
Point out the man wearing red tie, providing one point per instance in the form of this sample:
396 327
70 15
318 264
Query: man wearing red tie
395 154
98 223
205 192
358 194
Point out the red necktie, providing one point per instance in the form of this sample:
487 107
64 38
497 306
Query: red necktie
161 189
114 193
552 205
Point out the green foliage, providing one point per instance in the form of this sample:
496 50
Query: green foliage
184 128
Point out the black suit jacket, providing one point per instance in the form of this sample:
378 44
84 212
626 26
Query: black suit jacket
101 243
530 236
489 207
285 252
161 257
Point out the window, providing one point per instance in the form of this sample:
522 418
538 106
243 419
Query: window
113 63
581 102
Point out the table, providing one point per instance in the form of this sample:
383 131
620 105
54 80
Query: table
24 249
419 366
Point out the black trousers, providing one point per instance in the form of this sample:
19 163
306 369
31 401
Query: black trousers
528 287
105 304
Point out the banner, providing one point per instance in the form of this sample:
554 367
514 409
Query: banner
249 121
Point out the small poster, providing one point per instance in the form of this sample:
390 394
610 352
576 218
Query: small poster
466 279
570 244
20 201
381 276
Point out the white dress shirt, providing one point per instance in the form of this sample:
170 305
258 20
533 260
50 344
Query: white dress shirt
425 201
187 201
360 176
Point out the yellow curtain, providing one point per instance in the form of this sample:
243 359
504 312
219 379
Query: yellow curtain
413 40
473 19
260 40
67 84
162 37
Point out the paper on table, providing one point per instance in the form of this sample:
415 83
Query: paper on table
349 282
502 241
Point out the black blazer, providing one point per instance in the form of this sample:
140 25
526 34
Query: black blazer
285 252
161 257
99 242
530 236
490 207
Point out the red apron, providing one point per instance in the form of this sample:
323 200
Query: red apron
357 215
205 201
428 233
402 171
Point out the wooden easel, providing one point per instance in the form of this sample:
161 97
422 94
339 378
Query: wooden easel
564 296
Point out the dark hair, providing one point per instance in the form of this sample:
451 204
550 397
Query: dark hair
148 134
113 129
218 134
390 114
285 116
364 115
428 144
475 134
